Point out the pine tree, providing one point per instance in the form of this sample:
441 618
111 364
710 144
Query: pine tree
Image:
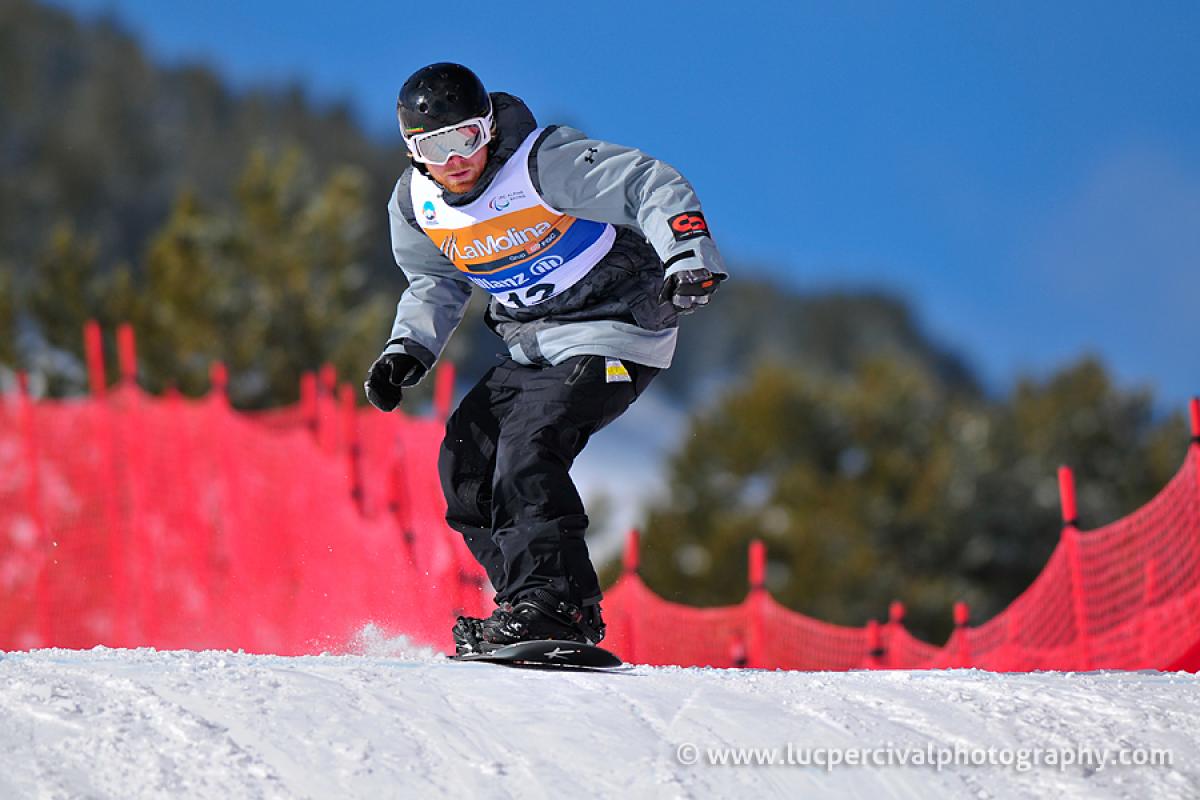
277 287
63 293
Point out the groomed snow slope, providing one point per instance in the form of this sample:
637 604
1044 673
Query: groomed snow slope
398 722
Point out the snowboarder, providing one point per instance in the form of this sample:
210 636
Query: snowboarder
589 252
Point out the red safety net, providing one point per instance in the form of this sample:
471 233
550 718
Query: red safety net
1125 596
130 520
133 520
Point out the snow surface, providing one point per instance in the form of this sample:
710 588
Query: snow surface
390 720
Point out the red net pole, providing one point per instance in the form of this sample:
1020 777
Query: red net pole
328 378
891 634
399 506
327 432
194 529
142 543
223 567
43 600
756 605
962 616
443 390
93 347
1195 408
127 354
108 486
308 401
1066 492
630 562
218 376
353 445
116 520
1070 539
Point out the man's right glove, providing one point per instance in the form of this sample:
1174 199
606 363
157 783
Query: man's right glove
689 289
388 375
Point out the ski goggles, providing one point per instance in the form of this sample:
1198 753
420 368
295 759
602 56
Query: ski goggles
461 139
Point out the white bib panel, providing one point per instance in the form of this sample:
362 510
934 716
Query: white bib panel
508 241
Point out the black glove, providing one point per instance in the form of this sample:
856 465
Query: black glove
689 289
388 375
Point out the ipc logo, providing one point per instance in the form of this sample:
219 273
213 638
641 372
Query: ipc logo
428 211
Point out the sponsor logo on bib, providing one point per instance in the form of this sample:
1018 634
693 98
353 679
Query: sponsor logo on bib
492 245
544 265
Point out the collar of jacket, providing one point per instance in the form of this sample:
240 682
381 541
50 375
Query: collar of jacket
514 122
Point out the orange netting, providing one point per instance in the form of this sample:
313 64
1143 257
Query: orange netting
130 520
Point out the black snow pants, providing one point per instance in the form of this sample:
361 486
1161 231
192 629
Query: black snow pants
504 468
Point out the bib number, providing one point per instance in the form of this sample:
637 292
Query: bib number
531 296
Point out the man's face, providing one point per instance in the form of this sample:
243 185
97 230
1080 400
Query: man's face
459 174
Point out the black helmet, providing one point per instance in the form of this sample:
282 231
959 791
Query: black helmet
438 96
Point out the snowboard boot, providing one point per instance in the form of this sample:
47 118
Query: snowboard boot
468 631
540 615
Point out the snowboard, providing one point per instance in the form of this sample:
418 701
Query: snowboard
547 654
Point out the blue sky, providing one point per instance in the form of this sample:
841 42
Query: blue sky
1026 174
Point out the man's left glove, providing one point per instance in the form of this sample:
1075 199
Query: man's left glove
388 375
689 289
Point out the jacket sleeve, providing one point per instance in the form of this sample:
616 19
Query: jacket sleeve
436 298
597 180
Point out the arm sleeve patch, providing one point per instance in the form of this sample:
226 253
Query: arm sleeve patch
688 225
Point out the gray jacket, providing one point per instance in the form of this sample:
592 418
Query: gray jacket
614 310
